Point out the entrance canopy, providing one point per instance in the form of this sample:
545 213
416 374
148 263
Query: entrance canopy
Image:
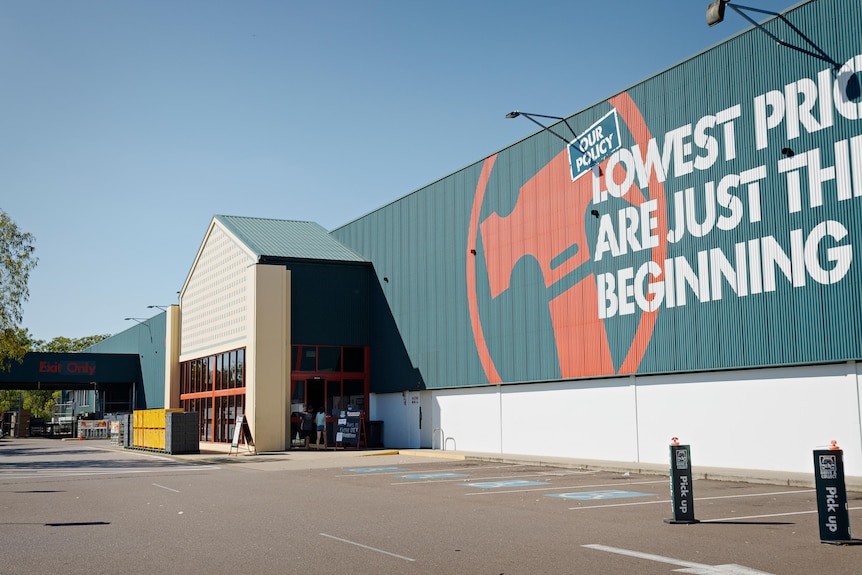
70 371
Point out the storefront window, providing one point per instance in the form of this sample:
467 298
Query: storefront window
308 358
213 386
328 358
328 377
333 398
206 370
231 369
220 375
239 378
354 359
226 412
297 398
354 393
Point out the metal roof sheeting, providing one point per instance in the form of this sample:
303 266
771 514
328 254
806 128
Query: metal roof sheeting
288 239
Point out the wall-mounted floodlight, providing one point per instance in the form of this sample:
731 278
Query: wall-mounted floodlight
715 12
715 15
161 307
530 117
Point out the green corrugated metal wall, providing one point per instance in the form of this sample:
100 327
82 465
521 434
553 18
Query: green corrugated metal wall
147 339
330 304
546 270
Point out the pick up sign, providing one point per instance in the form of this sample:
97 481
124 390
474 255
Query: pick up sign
594 145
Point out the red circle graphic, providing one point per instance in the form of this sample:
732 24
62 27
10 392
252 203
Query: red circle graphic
540 226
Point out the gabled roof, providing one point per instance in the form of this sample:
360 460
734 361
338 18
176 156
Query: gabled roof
288 239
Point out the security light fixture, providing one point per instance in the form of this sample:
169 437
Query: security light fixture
715 15
161 307
516 113
715 12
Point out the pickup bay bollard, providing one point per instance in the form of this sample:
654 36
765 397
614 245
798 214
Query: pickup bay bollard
834 518
681 493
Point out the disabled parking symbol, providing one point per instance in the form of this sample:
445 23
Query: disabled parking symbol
433 475
599 495
502 484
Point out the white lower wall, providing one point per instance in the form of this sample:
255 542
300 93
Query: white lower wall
400 415
596 421
470 419
760 419
765 419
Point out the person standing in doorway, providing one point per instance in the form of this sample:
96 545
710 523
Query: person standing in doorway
321 428
307 426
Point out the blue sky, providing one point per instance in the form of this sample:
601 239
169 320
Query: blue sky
126 125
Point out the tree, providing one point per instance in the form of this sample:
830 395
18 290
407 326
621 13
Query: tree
17 260
68 345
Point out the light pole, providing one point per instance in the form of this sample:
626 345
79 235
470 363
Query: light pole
530 117
143 322
715 15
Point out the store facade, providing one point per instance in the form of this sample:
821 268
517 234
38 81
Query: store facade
271 321
685 266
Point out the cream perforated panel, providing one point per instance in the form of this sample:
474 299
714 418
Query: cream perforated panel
214 305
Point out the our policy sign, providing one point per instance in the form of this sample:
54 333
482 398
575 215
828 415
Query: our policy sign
598 142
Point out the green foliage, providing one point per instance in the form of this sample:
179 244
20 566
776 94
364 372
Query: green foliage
10 347
17 260
68 345
40 403
9 399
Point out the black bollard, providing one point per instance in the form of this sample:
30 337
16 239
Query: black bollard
681 492
832 496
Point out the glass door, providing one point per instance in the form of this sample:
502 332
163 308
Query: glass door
315 392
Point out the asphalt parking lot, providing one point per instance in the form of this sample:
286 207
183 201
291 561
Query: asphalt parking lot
83 507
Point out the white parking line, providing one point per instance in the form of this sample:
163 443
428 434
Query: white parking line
367 547
620 504
56 473
498 478
615 484
696 499
767 516
163 487
425 481
408 469
690 567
